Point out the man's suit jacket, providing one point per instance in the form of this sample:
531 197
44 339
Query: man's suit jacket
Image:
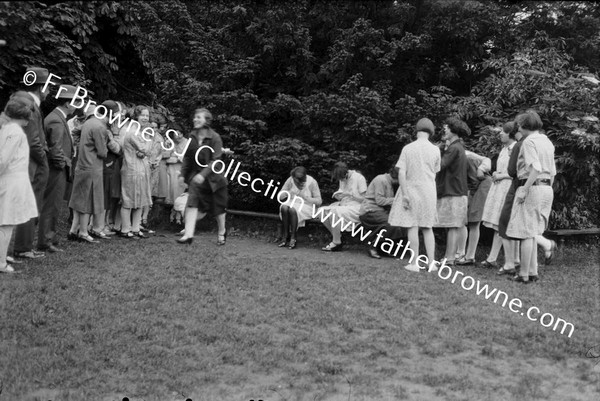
60 143
36 137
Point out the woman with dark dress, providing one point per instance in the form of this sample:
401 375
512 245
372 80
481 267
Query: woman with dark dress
207 189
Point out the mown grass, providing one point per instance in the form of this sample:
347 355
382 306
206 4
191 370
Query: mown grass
152 320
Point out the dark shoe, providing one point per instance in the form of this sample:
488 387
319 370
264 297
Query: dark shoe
533 279
72 236
519 279
489 265
463 262
187 241
30 255
331 247
221 238
502 271
548 256
128 234
283 243
292 243
139 234
99 234
374 254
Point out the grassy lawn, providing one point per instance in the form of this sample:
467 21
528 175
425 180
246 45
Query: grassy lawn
154 320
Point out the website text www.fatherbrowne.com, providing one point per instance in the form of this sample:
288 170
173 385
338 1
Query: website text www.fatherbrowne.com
388 245
392 248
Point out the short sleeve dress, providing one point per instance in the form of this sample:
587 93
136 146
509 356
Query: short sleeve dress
421 161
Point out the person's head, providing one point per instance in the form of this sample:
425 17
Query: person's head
508 132
393 172
455 128
162 123
202 118
65 96
425 125
113 110
35 79
141 114
339 172
18 110
298 174
528 122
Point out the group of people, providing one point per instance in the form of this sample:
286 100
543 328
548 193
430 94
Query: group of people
111 175
110 172
448 187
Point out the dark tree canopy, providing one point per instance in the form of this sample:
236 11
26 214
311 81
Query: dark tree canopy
313 82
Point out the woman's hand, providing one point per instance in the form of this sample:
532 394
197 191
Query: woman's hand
521 194
198 179
406 202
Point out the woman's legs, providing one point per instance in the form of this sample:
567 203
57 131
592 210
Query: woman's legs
528 247
125 220
191 215
473 240
220 223
145 212
136 219
413 239
293 217
75 223
5 234
451 243
336 233
84 220
285 220
429 240
461 241
496 246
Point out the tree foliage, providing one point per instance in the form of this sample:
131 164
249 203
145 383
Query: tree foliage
312 82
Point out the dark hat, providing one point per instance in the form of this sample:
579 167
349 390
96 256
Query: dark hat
41 75
112 105
425 125
69 93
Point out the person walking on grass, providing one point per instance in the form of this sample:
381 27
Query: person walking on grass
414 206
207 189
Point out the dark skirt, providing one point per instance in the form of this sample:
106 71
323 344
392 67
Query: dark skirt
203 198
506 210
88 192
477 200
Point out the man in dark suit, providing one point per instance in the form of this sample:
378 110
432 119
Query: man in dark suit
38 162
60 155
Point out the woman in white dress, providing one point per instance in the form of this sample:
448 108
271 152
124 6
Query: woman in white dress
415 205
301 194
497 195
346 211
17 201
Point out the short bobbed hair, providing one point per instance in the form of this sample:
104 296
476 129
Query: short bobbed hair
511 128
530 120
18 109
137 110
458 127
207 114
339 172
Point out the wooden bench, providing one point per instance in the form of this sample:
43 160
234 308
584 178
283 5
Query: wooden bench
561 234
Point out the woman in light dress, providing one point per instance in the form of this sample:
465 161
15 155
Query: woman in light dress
415 205
497 195
17 201
301 194
176 186
346 211
135 175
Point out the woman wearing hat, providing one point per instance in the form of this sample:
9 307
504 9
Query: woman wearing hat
17 200
415 204
60 155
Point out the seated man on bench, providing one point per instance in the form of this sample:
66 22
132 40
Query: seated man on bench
375 210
